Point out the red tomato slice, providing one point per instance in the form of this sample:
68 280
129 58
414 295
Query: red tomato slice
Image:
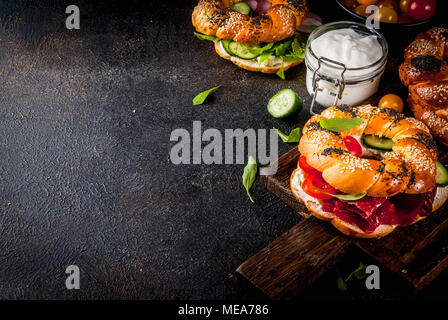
353 146
307 168
314 185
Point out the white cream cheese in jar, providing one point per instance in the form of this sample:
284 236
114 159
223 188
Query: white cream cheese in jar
363 52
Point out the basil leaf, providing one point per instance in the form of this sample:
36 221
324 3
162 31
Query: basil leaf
264 56
360 272
281 72
340 124
249 173
294 136
205 37
341 284
347 197
200 98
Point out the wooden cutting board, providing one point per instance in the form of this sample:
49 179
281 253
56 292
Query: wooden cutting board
310 248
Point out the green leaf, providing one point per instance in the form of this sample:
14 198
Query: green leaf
294 136
200 98
404 271
249 173
347 197
205 37
341 284
281 71
291 58
360 272
264 56
280 48
340 124
298 46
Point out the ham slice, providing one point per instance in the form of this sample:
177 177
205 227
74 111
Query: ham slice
369 212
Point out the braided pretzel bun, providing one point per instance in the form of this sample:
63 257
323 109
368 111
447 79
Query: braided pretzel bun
215 18
409 168
425 72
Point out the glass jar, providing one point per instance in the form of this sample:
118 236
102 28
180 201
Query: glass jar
331 82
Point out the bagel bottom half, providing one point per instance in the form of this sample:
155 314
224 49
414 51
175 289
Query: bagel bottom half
252 65
351 230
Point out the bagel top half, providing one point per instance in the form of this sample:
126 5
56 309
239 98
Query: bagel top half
215 18
410 167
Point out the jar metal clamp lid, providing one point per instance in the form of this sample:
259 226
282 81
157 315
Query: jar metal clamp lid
338 83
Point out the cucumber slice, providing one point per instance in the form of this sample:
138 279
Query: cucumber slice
244 51
225 44
284 103
241 7
441 175
378 143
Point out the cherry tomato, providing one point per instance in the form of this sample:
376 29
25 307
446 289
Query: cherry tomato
367 2
361 10
314 185
422 9
390 4
386 14
307 168
404 5
391 101
353 146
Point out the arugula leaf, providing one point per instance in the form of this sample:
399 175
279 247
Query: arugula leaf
249 173
200 98
294 136
340 124
281 71
205 37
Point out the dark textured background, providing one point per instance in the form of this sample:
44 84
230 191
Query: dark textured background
85 121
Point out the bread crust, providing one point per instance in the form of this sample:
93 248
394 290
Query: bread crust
425 72
410 167
250 64
214 17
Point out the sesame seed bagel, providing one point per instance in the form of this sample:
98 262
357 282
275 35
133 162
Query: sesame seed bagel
215 18
425 72
409 168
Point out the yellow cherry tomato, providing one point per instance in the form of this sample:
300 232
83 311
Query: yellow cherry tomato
391 101
367 2
361 10
404 5
390 4
386 14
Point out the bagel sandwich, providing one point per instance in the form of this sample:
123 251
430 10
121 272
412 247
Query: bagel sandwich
265 40
368 170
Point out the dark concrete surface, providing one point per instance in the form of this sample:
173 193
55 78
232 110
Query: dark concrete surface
85 123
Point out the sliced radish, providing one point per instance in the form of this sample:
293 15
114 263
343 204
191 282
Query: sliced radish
310 21
263 7
253 4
